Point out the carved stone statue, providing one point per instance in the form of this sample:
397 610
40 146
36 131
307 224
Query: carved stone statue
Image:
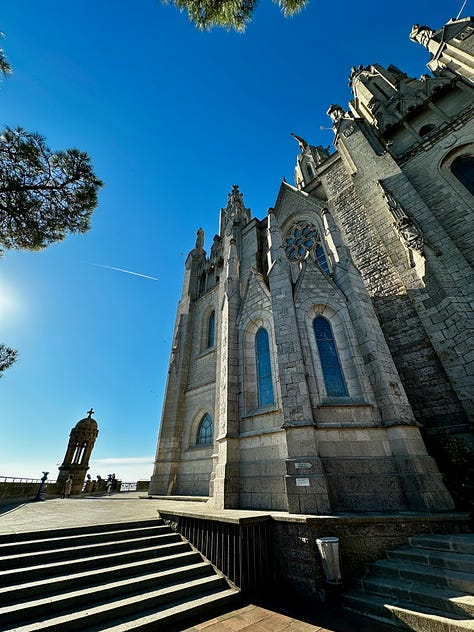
421 34
301 142
409 234
199 239
335 113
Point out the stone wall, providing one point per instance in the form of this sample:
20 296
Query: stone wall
363 539
18 490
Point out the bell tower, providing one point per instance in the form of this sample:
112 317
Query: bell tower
79 449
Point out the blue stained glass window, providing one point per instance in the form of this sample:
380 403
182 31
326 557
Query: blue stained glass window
264 368
211 327
332 371
321 257
205 431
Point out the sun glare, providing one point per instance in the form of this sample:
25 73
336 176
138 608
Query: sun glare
10 304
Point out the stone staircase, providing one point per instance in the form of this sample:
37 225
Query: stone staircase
427 586
126 576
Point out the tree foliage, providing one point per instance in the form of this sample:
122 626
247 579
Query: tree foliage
5 68
230 14
43 194
7 357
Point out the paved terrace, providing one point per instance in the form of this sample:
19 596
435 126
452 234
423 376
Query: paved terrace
272 614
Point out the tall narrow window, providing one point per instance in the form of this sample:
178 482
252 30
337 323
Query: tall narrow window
332 371
321 257
205 431
211 328
264 368
309 171
463 169
202 284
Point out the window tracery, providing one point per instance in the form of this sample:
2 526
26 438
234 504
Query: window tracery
205 431
303 238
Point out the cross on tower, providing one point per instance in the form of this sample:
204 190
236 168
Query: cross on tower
90 412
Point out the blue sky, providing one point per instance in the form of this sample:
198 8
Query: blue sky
172 118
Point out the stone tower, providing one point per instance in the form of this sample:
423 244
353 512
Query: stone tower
79 449
314 348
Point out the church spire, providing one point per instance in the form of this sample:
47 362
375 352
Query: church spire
235 211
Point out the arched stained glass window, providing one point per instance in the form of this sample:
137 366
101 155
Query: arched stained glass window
211 328
321 257
264 368
205 431
332 371
463 169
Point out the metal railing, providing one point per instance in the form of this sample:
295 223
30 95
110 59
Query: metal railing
241 551
16 487
18 479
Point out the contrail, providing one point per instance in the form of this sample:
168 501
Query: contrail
145 276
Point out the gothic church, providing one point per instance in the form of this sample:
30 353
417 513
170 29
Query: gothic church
316 350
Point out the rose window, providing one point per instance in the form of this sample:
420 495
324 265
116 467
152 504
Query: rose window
300 240
303 238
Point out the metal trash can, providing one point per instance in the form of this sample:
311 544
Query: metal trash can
329 551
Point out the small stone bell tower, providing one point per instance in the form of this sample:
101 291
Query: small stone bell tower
79 449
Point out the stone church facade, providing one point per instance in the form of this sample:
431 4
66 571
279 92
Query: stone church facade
315 349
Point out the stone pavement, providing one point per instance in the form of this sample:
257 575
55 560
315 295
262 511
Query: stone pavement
270 613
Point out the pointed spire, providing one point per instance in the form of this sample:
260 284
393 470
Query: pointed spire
275 243
236 210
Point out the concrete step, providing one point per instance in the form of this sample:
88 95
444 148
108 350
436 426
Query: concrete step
143 578
71 531
170 618
428 586
437 558
106 560
75 600
72 541
457 542
97 614
76 552
23 591
404 616
441 577
417 593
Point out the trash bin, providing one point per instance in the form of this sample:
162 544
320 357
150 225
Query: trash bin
329 551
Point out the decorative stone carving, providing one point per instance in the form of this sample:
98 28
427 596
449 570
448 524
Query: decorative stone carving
199 239
386 96
421 34
409 234
301 141
235 209
335 113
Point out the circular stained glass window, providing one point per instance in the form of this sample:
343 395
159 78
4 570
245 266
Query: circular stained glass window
300 239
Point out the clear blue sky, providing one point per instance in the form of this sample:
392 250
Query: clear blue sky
172 118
